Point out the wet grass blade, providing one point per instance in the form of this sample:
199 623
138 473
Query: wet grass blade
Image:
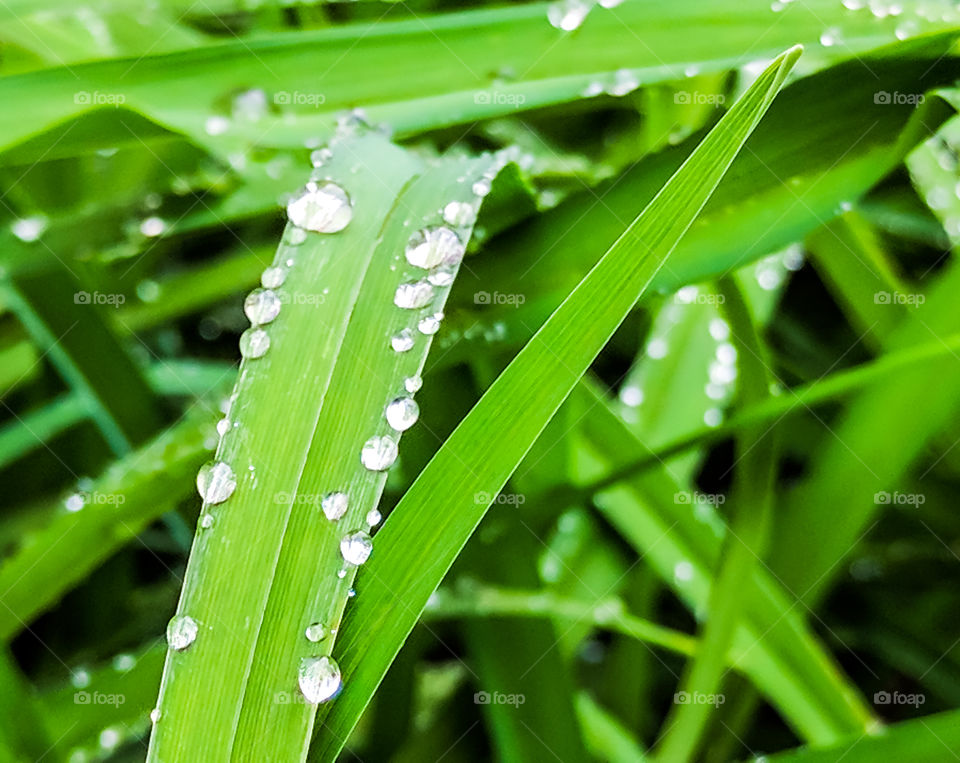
439 511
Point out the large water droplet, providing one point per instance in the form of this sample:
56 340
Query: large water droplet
460 213
261 306
319 679
334 505
430 324
216 482
402 413
379 453
431 247
567 15
413 295
402 341
324 208
254 343
315 632
181 632
356 547
273 277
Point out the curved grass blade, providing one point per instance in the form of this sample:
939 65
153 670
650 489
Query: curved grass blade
439 511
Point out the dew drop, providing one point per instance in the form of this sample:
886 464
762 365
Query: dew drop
250 105
223 426
254 343
152 227
356 547
459 213
315 632
29 229
148 290
181 632
712 417
334 505
631 395
324 208
830 37
624 81
379 453
403 341
482 187
74 502
216 482
319 679
610 3
719 329
430 324
657 348
402 413
206 521
442 276
155 715
567 15
294 235
412 384
683 572
727 353
431 247
320 156
273 277
413 295
373 517
261 306
216 125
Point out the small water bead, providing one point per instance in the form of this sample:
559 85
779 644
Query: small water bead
413 295
320 156
261 306
715 391
403 341
830 37
402 413
206 521
592 89
294 235
148 290
181 632
719 329
109 738
152 227
722 373
631 395
769 278
254 343
567 15
482 187
216 125
431 247
216 482
80 678
324 208
460 213
319 679
609 3
315 632
712 417
351 593
727 353
430 324
155 715
442 276
657 348
273 278
341 574
356 547
250 105
74 502
223 426
624 81
374 517
379 453
334 505
412 384
29 229
683 572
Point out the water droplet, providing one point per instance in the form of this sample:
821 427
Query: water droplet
80 678
373 517
334 505
319 679
356 547
250 105
378 453
442 276
155 715
431 247
261 306
181 632
148 290
715 391
482 187
216 125
273 277
402 413
683 572
631 395
460 213
609 3
74 502
403 341
254 343
657 348
109 738
351 593
206 521
294 235
719 329
216 482
769 278
624 81
727 353
412 384
29 229
320 156
830 37
324 208
567 15
315 632
712 417
152 227
430 324
123 662
413 295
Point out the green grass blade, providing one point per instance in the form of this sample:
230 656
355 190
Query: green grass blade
438 513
